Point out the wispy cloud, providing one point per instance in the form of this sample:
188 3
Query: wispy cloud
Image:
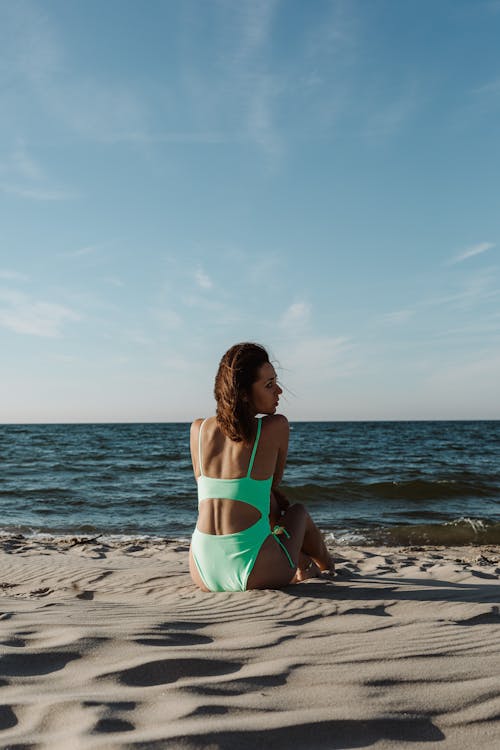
485 328
81 251
37 59
257 88
398 316
168 319
297 314
319 358
114 281
7 275
203 279
37 193
25 165
470 252
24 315
173 136
475 288
23 176
307 355
238 84
390 116
490 88
137 337
479 373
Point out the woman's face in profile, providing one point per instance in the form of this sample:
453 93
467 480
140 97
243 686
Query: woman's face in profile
265 392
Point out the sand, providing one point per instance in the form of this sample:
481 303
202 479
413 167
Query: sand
109 645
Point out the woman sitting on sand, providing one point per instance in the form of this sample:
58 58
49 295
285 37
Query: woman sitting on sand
238 460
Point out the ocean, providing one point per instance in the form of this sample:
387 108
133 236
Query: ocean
395 483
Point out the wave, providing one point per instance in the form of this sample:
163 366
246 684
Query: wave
459 532
456 533
416 489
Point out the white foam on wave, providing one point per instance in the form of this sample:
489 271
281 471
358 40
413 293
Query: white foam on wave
43 536
475 523
345 537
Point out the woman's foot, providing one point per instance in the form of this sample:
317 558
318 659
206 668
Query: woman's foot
329 571
307 569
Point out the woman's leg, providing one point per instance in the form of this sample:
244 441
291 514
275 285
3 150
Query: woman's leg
272 568
298 523
306 567
195 575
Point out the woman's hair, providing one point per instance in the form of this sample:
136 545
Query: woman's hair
237 372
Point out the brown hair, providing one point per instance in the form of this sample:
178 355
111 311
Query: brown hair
237 371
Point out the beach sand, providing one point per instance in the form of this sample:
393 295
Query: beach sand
109 645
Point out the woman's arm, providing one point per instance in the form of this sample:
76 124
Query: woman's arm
193 443
279 502
282 432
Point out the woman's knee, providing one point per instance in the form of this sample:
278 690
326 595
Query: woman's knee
298 509
296 520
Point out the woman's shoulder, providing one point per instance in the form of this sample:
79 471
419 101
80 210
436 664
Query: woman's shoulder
196 424
277 423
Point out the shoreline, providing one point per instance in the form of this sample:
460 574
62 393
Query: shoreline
459 532
111 646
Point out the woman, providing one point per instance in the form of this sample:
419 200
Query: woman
238 460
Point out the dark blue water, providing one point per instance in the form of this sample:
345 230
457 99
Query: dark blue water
363 482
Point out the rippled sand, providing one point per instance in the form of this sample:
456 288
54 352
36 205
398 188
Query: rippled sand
109 645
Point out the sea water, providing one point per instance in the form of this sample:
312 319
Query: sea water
363 482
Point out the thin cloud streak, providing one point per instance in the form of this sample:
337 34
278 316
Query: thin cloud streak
195 137
397 316
37 194
81 252
470 252
493 87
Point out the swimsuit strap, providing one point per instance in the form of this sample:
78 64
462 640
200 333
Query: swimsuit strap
199 447
252 457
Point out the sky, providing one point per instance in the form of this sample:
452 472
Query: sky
320 177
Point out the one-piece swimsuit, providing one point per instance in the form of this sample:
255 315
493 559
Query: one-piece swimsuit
224 561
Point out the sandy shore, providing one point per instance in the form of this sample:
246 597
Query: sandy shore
110 646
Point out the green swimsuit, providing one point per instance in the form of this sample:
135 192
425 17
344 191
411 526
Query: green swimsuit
224 561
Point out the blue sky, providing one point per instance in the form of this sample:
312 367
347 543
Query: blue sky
321 177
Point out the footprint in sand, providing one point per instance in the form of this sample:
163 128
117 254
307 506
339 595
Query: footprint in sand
379 611
86 595
240 685
113 725
480 574
15 642
173 639
113 705
486 618
30 665
165 671
8 719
